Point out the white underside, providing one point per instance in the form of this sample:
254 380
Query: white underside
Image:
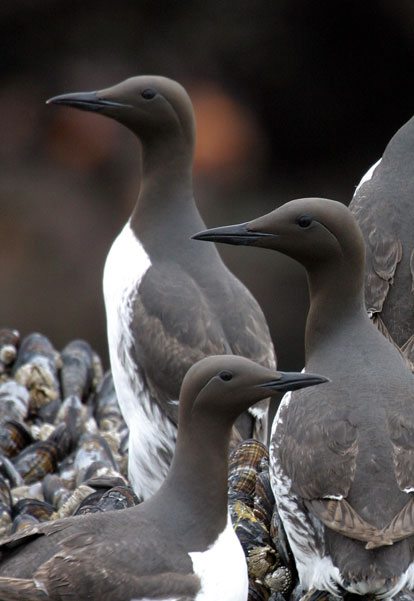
222 569
151 433
306 536
367 176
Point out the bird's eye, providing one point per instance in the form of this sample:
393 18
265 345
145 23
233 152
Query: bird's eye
304 220
225 375
148 93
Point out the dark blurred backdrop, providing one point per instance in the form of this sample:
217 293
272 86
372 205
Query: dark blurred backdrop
293 98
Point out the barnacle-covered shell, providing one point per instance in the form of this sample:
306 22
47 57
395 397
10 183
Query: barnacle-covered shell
9 342
36 369
77 371
260 560
14 436
14 400
280 580
70 505
37 460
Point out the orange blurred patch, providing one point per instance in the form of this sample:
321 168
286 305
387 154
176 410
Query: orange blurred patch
227 133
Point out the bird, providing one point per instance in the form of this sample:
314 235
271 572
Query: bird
168 302
383 207
179 544
342 457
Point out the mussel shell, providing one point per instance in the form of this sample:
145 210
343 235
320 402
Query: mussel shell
32 491
114 499
276 596
77 371
250 531
14 436
107 412
23 521
37 460
5 494
257 591
38 509
61 437
54 491
9 472
47 412
14 400
280 542
264 500
243 468
92 448
73 414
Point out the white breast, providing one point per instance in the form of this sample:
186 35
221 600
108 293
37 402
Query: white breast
152 436
367 176
222 569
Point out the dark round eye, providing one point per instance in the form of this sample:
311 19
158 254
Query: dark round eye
304 220
148 93
225 375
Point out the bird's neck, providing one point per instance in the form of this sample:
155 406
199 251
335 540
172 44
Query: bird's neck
194 494
166 174
336 302
165 215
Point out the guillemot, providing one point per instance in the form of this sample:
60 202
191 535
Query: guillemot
168 301
383 207
179 544
342 467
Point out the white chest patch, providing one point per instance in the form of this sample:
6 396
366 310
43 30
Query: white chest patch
367 176
222 569
151 434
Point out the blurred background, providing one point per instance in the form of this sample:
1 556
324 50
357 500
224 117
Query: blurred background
292 98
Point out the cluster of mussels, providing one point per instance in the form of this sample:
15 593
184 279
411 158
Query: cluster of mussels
63 441
257 524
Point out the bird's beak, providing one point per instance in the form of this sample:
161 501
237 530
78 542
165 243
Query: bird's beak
293 381
87 101
233 234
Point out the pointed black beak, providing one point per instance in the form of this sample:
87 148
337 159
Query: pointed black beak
233 234
87 101
293 381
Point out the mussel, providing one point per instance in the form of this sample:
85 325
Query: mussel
36 369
